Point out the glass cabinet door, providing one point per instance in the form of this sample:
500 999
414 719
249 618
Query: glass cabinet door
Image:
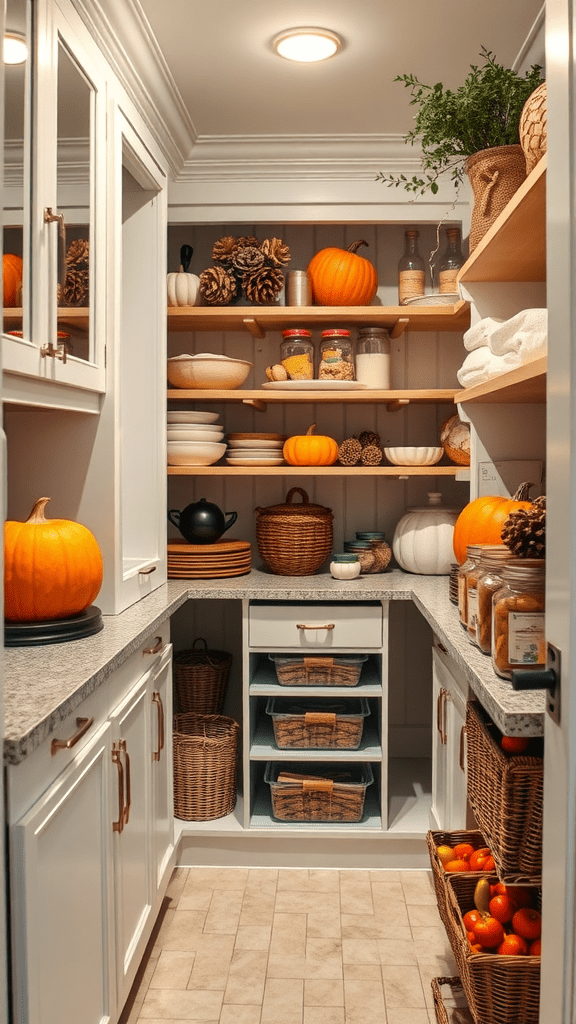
16 209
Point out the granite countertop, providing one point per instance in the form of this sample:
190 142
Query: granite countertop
43 685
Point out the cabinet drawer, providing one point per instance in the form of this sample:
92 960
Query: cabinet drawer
309 625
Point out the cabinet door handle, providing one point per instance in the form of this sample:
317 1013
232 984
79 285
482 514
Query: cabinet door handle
157 646
462 744
441 647
117 826
83 726
128 803
439 708
315 625
157 700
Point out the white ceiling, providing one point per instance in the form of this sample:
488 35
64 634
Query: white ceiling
233 85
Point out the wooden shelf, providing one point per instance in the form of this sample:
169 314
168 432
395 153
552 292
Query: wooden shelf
70 316
514 248
259 319
525 384
459 472
394 400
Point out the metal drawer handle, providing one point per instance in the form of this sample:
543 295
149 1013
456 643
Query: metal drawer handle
157 700
146 572
128 804
462 745
117 826
83 726
157 646
315 625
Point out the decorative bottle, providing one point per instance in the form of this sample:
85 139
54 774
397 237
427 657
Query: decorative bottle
451 262
410 269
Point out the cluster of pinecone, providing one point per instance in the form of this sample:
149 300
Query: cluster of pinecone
524 531
245 264
364 448
77 282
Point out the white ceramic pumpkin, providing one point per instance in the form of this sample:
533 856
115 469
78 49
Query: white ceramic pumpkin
422 540
184 288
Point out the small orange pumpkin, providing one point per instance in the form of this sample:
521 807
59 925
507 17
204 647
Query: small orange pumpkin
481 521
12 268
52 567
310 449
340 277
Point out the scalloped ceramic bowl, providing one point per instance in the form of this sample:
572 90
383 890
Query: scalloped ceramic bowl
194 453
413 456
207 371
191 434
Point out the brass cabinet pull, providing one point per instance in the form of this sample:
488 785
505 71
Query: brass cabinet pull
315 625
441 715
83 725
462 743
128 803
58 351
146 572
157 700
117 826
157 646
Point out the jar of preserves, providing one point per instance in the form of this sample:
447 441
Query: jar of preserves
472 558
518 626
336 358
373 358
493 557
297 354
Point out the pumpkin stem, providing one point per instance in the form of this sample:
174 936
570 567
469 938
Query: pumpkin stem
356 245
311 430
523 492
37 513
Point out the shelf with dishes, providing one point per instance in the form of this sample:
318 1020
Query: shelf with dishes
460 473
393 400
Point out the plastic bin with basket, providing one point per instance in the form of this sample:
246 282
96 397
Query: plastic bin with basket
321 724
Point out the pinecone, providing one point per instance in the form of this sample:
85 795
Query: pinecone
75 291
349 451
224 249
248 258
524 531
245 240
367 437
371 455
78 255
217 286
262 286
276 251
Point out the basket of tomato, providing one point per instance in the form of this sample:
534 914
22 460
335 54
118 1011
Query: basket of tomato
456 852
505 792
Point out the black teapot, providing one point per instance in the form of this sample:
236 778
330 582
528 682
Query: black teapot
202 522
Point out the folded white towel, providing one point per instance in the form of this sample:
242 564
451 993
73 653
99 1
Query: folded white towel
482 364
479 335
525 333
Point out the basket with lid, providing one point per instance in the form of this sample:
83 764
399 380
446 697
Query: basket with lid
294 539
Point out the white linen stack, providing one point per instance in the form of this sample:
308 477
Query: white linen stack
496 345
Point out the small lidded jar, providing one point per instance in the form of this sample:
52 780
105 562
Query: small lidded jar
473 552
297 354
494 557
345 567
518 622
373 358
336 358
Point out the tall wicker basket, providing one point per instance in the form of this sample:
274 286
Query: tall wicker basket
294 540
205 749
200 679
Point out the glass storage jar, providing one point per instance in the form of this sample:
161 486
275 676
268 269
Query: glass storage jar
450 263
411 273
518 626
493 557
336 358
297 354
373 357
472 558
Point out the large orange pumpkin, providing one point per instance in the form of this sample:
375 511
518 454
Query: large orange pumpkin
52 568
340 277
481 521
12 271
310 449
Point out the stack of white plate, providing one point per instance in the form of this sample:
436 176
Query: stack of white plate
194 438
255 449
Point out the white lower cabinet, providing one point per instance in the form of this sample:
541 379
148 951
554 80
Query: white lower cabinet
449 803
92 848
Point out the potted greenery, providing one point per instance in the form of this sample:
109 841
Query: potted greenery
473 131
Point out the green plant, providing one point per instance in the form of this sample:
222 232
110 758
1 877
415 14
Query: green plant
483 112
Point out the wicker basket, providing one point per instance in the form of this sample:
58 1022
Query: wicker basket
200 679
500 989
533 127
450 1006
204 766
435 839
506 795
317 723
495 175
294 540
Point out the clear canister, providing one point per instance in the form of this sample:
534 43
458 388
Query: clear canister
493 557
518 621
373 358
297 354
473 552
336 358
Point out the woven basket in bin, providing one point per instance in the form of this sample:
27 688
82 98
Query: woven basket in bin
294 539
200 679
204 766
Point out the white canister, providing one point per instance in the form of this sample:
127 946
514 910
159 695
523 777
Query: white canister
373 358
345 567
422 540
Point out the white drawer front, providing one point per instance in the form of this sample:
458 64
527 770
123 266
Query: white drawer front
303 625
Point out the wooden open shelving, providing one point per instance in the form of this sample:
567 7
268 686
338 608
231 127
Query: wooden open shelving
526 383
69 316
392 399
459 472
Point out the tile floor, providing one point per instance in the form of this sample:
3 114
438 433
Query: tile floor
266 946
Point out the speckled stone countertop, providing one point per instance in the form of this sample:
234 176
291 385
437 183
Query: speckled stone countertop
43 685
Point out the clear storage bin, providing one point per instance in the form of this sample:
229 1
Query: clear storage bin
319 724
318 791
317 670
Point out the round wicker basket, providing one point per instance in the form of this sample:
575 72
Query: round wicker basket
495 175
534 127
204 751
294 540
200 679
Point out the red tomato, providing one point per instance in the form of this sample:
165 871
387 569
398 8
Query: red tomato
513 945
463 851
502 908
514 744
482 860
498 889
527 923
489 932
535 948
457 865
471 917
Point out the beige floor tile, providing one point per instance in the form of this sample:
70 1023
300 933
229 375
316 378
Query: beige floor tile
216 878
174 1005
283 1004
197 899
240 1014
386 890
402 1015
364 1001
355 894
224 913
176 885
324 924
418 887
319 992
288 935
397 952
172 970
385 875
440 969
431 943
246 977
360 951
293 878
356 926
183 931
324 1015
362 972
253 937
262 878
324 880
394 914
423 916
162 927
257 908
287 966
211 966
403 987
301 901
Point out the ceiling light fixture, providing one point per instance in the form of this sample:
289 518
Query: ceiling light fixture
15 48
307 45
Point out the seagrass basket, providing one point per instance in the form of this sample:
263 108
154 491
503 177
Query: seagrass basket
495 175
450 1004
294 539
200 679
533 127
204 754
439 875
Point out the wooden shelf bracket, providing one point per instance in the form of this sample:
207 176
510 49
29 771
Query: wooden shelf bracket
399 327
256 403
253 327
397 404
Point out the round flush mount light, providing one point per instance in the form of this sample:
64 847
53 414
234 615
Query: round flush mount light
15 48
307 45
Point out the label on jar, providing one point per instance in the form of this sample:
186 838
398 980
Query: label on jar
447 281
526 641
472 608
410 284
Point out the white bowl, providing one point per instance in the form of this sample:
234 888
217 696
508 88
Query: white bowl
194 453
191 416
191 434
206 370
413 456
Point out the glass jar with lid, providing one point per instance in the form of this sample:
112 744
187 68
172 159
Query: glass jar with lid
518 624
373 357
336 358
473 552
297 354
493 558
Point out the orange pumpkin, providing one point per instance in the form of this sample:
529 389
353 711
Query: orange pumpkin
310 449
12 271
481 521
52 568
340 277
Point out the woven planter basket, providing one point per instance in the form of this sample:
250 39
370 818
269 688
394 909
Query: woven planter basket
294 540
439 875
506 795
495 175
534 127
200 679
450 1008
204 766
